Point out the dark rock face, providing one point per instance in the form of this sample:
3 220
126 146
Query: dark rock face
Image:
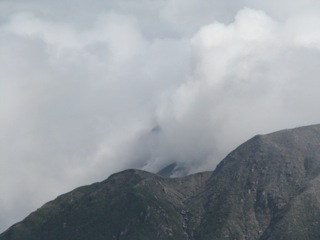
266 189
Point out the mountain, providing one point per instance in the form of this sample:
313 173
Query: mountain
173 170
266 189
129 205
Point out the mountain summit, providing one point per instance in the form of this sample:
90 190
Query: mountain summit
267 189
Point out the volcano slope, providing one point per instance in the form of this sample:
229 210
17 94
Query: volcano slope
267 188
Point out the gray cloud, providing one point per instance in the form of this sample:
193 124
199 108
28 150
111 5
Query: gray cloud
88 90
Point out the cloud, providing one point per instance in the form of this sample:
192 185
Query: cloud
71 99
254 75
88 90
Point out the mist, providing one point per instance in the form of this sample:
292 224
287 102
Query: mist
89 89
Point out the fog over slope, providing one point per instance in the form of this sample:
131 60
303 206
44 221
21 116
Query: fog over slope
88 89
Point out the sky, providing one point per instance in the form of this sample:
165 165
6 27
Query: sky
91 88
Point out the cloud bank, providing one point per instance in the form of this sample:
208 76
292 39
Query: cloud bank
88 89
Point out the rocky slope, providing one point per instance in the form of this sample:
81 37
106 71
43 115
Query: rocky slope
129 205
268 188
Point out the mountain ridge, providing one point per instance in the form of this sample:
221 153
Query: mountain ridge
266 189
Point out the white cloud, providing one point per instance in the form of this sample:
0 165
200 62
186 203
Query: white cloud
81 88
248 77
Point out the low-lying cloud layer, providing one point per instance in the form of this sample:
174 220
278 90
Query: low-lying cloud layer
88 89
